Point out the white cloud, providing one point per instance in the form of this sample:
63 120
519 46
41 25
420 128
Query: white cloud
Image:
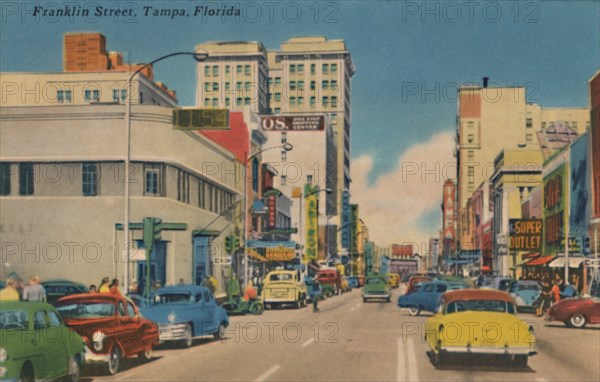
395 206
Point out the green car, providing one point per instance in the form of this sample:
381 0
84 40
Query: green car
376 287
36 344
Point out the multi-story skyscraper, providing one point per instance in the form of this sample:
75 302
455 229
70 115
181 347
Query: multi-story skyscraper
307 75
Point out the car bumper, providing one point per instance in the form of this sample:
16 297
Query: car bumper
489 350
91 358
386 296
171 332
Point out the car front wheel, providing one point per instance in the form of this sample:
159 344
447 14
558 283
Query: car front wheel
146 355
220 334
187 341
114 361
578 321
414 310
27 374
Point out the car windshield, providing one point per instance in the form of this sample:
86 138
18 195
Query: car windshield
87 310
14 319
280 277
172 298
523 287
374 281
480 306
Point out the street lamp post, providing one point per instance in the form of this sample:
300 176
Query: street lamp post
287 147
198 56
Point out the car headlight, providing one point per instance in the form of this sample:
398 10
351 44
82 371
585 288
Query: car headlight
172 317
3 355
2 372
98 340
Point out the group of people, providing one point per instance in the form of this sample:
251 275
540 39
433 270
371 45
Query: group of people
106 286
17 290
554 289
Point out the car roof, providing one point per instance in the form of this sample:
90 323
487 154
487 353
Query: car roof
477 294
62 282
91 296
188 288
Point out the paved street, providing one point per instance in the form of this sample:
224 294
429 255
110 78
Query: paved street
351 340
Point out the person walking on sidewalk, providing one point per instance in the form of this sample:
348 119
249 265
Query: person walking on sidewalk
317 290
34 291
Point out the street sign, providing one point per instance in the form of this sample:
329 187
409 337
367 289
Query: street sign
222 260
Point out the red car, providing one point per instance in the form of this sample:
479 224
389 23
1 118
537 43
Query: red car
111 327
575 312
330 277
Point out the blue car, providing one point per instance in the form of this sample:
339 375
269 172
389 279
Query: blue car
184 312
427 297
527 294
353 281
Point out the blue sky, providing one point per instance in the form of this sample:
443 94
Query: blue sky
552 47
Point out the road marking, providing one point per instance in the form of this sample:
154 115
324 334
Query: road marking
413 372
356 307
401 362
268 373
311 341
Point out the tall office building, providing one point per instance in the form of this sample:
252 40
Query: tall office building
307 75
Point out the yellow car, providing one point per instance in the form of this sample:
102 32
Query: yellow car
393 280
476 321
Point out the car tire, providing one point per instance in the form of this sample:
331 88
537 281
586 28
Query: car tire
189 336
521 360
414 310
114 361
146 355
389 299
439 358
27 374
73 370
256 308
220 333
298 303
364 299
578 321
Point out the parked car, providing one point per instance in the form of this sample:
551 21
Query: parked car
184 312
575 312
501 283
56 289
427 297
527 294
51 350
479 321
111 327
393 280
353 281
283 288
414 282
376 287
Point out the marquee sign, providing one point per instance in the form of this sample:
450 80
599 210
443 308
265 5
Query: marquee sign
293 123
525 234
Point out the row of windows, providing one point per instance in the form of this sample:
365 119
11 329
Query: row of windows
239 101
325 102
66 96
325 68
239 69
293 85
210 197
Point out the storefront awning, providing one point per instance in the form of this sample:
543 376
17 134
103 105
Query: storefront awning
255 255
559 262
271 244
273 250
539 261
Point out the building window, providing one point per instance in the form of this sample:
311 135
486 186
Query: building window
26 177
325 101
154 178
215 70
300 68
300 101
292 68
470 155
207 71
89 177
292 85
471 172
325 68
325 84
529 123
4 179
529 138
215 86
215 102
334 101
63 96
247 101
92 95
333 85
277 97
292 101
247 70
313 85
227 69
283 158
283 177
207 86
277 81
227 102
470 138
201 194
183 186
309 179
238 69
238 101
283 137
313 68
206 102
247 86
277 110
227 86
301 85
116 95
313 101
333 68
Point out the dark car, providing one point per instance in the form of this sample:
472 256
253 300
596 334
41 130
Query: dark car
427 296
353 281
56 289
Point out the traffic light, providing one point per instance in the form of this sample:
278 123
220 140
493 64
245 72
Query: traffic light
587 245
152 231
231 244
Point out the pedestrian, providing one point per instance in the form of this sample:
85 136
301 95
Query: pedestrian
249 292
114 287
546 298
104 285
92 288
34 291
316 287
9 293
556 291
